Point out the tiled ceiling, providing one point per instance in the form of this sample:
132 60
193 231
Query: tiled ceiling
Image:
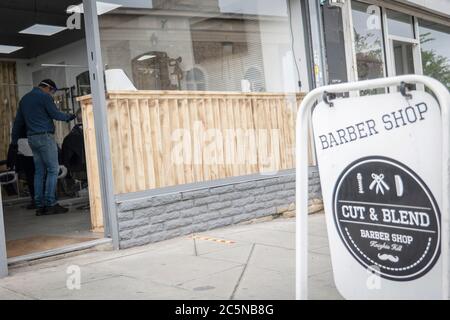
16 15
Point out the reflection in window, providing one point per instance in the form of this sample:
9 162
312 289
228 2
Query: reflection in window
157 71
83 84
368 41
173 45
434 41
195 80
334 44
256 80
403 57
400 24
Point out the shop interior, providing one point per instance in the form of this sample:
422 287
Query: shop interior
35 44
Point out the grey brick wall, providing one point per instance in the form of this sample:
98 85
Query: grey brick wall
160 217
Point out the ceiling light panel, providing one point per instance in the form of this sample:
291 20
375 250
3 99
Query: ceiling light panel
5 49
102 8
42 30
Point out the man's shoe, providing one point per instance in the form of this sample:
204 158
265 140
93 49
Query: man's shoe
40 211
56 209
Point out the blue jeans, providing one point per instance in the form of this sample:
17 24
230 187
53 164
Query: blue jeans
45 155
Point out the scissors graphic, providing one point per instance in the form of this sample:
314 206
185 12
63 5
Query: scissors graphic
379 183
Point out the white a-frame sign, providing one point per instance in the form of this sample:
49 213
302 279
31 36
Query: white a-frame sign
383 164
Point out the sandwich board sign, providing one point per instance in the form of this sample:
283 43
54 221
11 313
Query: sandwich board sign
380 166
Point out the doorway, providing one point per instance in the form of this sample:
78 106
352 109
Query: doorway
405 57
35 44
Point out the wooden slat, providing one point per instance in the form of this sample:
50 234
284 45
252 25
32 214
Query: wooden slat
252 156
125 141
185 125
147 144
116 146
231 143
137 145
176 163
197 154
211 140
157 141
215 108
206 157
95 199
168 171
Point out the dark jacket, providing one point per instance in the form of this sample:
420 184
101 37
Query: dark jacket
35 114
73 154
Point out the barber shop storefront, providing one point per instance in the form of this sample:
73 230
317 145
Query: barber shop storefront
185 117
185 109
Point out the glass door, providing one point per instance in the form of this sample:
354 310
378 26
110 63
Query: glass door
403 53
403 57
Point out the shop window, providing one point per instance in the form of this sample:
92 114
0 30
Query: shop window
400 24
434 41
334 44
173 44
369 46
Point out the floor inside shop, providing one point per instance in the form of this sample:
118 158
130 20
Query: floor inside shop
27 233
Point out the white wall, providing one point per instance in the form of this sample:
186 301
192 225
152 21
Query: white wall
439 6
73 54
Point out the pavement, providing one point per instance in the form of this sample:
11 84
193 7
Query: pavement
249 261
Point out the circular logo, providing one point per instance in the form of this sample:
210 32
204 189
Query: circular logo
387 218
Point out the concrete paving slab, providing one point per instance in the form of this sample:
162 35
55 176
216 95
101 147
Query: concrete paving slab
321 250
318 263
264 284
280 225
316 242
124 288
227 231
6 294
238 254
273 258
220 284
40 282
204 246
321 287
268 237
166 268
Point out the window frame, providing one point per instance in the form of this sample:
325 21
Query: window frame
388 59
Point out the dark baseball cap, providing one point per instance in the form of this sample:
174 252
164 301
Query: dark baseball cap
48 83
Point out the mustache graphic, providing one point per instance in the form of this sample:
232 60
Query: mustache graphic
389 257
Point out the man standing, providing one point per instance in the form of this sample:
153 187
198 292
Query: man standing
35 114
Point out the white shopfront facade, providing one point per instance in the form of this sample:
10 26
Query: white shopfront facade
371 39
